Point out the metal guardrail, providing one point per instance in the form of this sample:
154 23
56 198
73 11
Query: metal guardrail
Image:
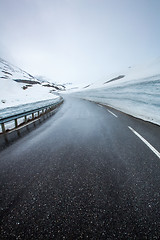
41 111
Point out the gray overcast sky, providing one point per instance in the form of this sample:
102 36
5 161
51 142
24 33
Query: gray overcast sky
79 40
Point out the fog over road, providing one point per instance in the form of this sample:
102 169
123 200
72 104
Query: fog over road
88 172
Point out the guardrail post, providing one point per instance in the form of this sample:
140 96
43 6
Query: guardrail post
25 118
3 127
16 123
43 113
32 115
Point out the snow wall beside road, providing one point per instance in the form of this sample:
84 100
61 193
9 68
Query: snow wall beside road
139 98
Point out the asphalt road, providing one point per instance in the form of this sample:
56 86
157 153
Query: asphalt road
88 172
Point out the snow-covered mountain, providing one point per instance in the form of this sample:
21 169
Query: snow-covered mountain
19 87
8 71
46 83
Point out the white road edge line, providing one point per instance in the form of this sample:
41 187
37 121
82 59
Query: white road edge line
112 113
100 105
146 142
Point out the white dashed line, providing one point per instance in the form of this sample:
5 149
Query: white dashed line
146 142
112 113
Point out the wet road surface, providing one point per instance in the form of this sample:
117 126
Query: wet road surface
83 174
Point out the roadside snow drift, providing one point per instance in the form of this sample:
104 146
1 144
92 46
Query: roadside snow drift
137 92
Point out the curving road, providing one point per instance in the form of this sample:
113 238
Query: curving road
88 172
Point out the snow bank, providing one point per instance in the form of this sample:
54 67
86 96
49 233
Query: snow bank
12 93
136 93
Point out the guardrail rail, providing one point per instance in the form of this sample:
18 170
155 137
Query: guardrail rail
34 114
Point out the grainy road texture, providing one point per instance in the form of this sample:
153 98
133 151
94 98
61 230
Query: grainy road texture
83 174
